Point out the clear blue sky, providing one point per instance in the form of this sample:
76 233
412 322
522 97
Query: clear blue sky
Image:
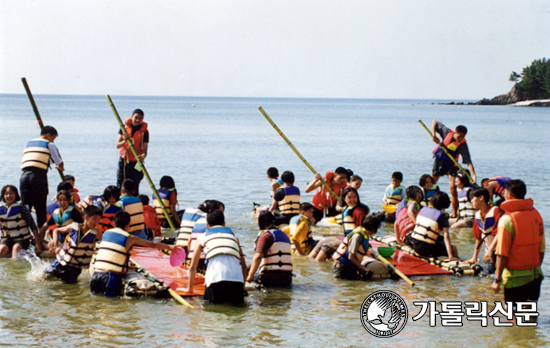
342 49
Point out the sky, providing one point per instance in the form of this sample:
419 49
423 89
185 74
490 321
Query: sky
298 49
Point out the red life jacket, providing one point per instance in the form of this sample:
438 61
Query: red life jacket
450 144
125 151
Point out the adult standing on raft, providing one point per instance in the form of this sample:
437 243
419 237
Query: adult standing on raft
35 163
455 143
137 130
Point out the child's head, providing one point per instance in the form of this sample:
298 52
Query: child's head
306 209
122 219
65 185
272 173
215 218
63 198
10 194
478 196
484 182
356 181
371 224
144 199
92 215
461 181
340 175
350 196
414 192
396 178
426 181
168 182
128 187
211 205
265 220
70 179
349 174
515 189
49 133
111 194
440 201
288 177
137 117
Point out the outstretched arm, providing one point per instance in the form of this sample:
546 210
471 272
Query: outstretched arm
254 266
315 183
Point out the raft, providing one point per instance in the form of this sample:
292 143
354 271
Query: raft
158 264
451 267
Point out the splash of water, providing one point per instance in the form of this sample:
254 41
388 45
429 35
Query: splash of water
37 265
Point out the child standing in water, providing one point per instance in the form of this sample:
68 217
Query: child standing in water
169 196
466 211
16 223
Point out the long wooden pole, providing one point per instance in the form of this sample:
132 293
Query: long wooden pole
140 163
398 272
297 153
37 114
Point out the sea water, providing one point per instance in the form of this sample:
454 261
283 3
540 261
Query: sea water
220 148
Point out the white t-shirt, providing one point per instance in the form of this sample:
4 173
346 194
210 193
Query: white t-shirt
54 153
221 267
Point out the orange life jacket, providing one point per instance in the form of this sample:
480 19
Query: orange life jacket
151 219
529 232
451 145
125 151
323 198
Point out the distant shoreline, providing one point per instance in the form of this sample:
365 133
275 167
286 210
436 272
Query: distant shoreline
535 102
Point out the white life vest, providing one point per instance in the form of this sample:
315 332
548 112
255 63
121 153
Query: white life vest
14 226
133 206
112 255
77 250
277 257
465 208
427 228
188 221
220 240
36 154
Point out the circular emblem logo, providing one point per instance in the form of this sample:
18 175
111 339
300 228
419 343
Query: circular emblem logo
384 313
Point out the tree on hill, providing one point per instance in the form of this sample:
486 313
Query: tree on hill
534 80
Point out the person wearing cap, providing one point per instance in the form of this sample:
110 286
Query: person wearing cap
138 132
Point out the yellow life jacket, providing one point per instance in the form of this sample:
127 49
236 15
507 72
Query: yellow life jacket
77 250
307 243
14 226
394 195
291 203
165 197
133 206
342 253
36 154
112 255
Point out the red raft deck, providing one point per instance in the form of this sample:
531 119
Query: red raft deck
158 264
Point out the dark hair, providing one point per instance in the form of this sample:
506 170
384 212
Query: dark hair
65 193
111 191
144 199
440 200
371 223
122 219
138 111
65 185
484 182
412 191
348 190
272 172
341 171
49 130
279 194
92 210
129 187
168 182
397 175
14 189
210 205
463 179
69 177
461 129
306 206
355 178
288 177
480 192
265 219
215 218
349 173
516 188
423 179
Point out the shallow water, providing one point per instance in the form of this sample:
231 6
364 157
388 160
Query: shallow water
220 148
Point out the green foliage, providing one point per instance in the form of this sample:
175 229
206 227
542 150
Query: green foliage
534 81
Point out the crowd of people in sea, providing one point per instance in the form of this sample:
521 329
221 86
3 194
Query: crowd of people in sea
98 231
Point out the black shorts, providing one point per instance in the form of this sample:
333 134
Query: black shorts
427 249
225 292
318 214
25 244
68 274
284 219
275 278
107 283
529 292
441 168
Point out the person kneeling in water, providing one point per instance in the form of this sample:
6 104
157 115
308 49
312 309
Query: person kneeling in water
77 249
348 259
272 254
111 263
